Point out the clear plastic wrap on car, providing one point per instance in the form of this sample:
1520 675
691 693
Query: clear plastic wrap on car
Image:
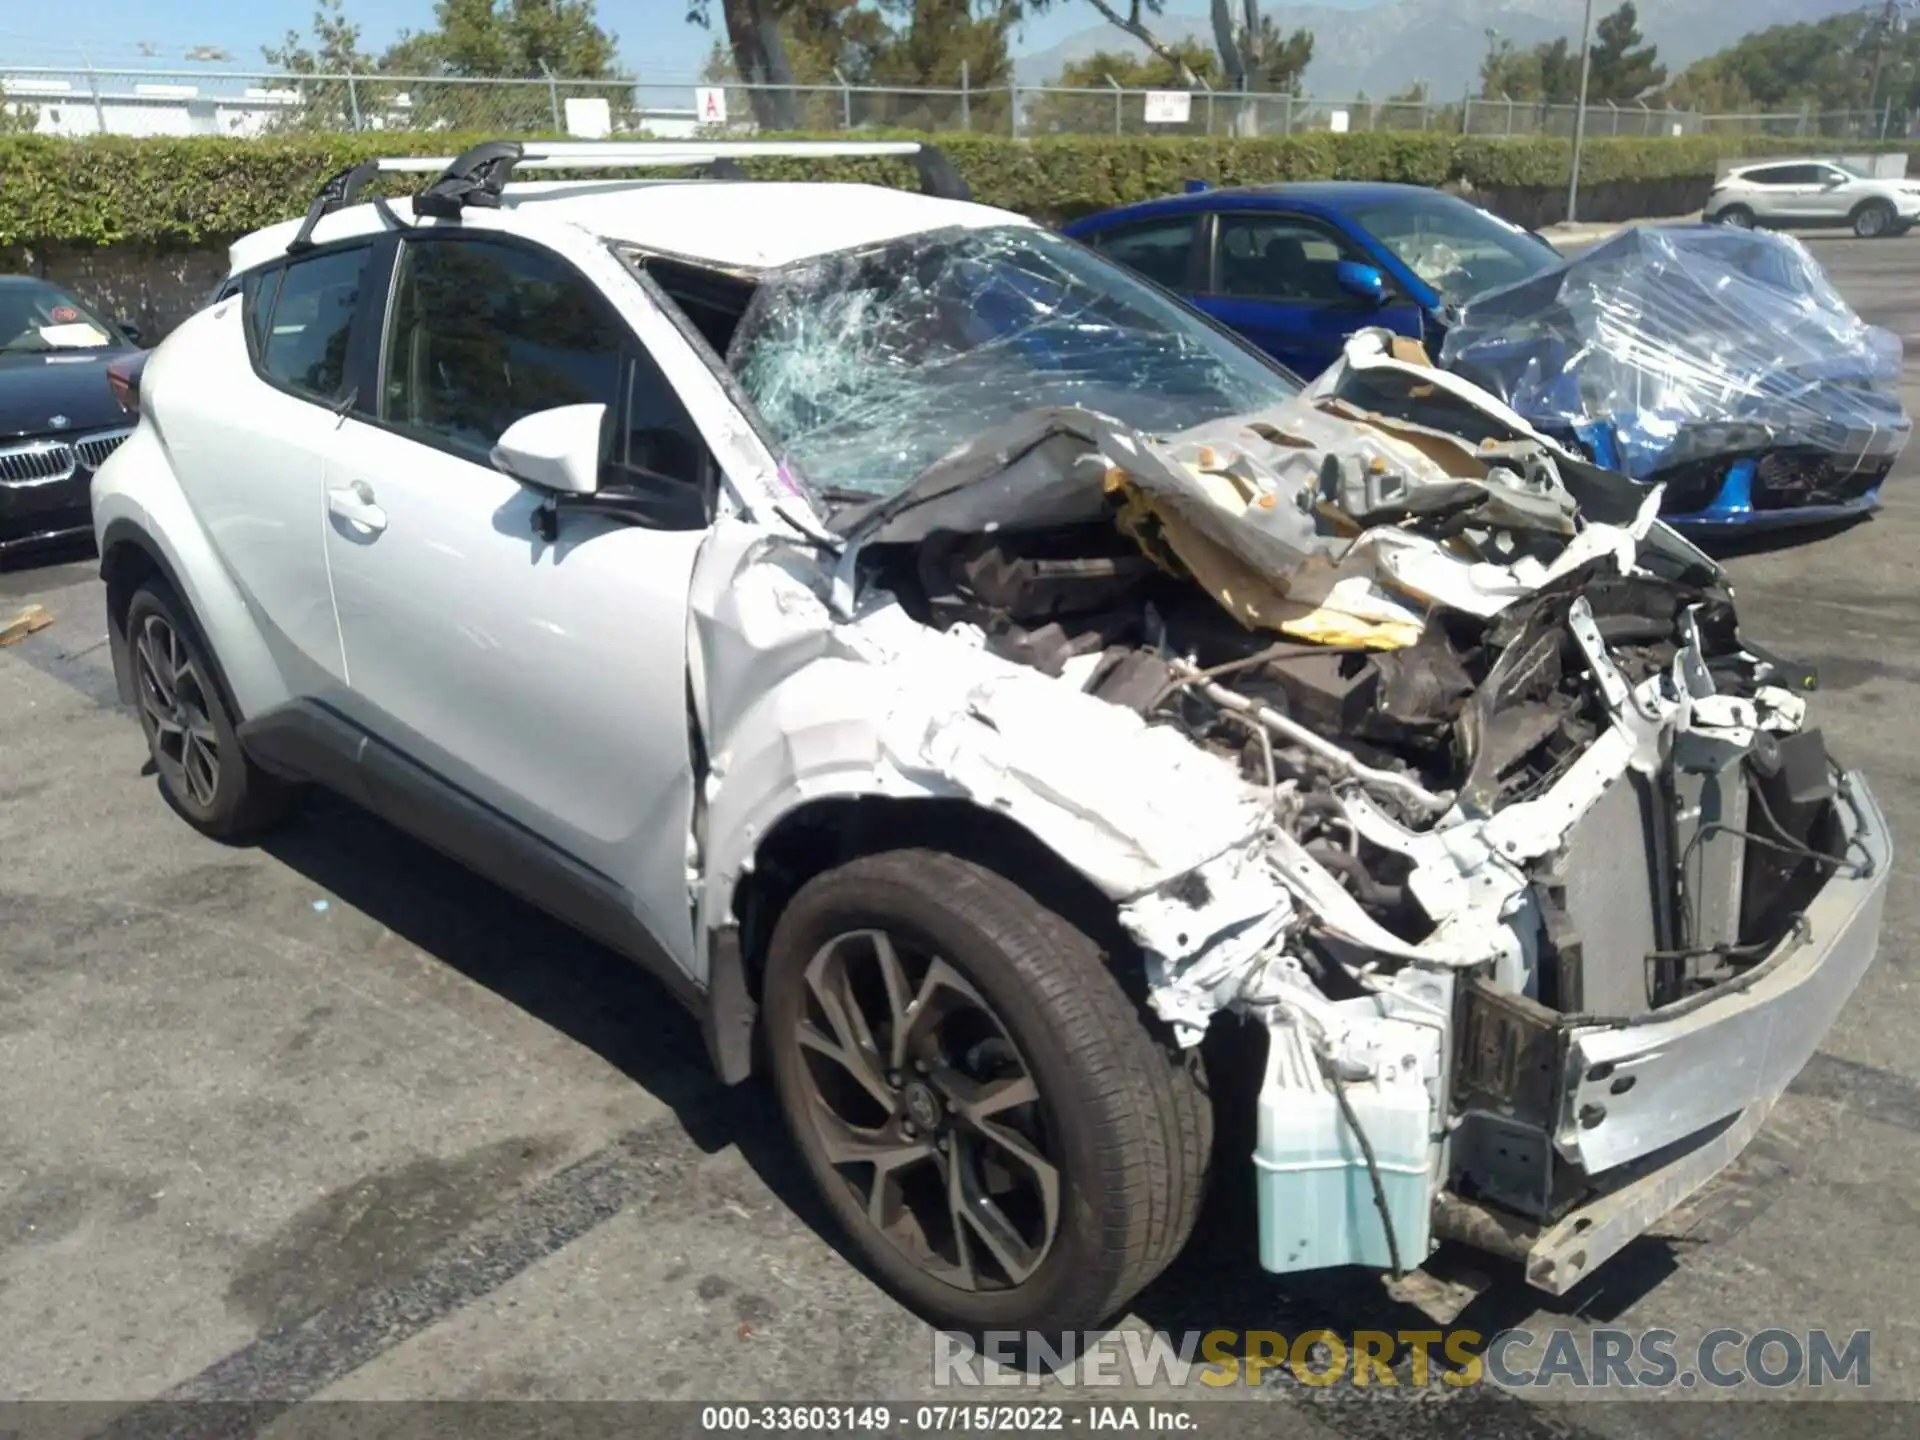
1676 345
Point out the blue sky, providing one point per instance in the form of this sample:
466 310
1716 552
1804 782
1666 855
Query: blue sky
655 40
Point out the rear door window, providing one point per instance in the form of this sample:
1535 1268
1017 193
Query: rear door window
1161 250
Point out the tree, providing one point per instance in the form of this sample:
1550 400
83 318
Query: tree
536 42
505 40
1622 68
326 100
759 56
931 44
1280 64
1256 56
509 38
1189 65
897 46
1836 64
1549 73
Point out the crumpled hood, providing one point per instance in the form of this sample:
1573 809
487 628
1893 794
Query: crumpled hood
1320 517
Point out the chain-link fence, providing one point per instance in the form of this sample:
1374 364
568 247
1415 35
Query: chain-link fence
1499 115
199 102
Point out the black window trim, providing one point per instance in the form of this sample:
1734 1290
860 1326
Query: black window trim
633 259
1211 266
370 402
351 381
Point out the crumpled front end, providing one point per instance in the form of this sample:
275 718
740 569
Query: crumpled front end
1385 722
1719 363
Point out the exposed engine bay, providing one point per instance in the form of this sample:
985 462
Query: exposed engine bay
1524 774
1388 649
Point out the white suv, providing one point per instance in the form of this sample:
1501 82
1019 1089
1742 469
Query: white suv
970 679
1813 192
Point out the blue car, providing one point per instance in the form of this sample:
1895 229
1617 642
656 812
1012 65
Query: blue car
1298 268
1719 363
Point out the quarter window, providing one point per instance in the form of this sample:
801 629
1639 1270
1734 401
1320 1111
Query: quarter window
258 291
661 440
300 316
484 334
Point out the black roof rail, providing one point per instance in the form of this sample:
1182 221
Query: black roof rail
340 191
479 175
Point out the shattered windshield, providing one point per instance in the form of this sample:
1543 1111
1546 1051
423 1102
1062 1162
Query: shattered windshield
868 366
1459 249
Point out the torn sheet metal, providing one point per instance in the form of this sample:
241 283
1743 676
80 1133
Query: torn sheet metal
1688 344
1378 815
797 705
1327 523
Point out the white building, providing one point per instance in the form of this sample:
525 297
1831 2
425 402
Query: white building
124 104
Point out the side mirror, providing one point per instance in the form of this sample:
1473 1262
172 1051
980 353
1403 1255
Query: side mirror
557 450
1363 282
131 331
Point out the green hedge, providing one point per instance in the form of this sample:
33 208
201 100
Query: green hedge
184 192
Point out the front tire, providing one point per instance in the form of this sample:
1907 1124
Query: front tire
203 772
1873 219
984 1109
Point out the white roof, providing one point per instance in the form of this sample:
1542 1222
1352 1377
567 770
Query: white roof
757 224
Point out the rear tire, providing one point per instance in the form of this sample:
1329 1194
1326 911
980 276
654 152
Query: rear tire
1009 1148
1873 219
1735 217
203 772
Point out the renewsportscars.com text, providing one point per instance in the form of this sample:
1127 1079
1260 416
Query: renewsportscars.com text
1613 1359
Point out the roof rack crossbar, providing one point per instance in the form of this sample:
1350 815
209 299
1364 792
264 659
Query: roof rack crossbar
478 176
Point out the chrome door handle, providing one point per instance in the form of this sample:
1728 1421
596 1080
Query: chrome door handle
355 504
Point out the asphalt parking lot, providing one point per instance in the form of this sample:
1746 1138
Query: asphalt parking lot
329 1118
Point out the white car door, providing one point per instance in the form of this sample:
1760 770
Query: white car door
1836 196
250 433
546 680
1769 192
1801 192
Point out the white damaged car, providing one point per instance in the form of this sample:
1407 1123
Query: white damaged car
967 676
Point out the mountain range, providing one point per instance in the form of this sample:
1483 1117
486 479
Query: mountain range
1383 47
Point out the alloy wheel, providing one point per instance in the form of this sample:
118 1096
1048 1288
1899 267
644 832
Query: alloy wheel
925 1107
173 698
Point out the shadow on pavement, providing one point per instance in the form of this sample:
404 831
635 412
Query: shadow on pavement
552 972
610 1005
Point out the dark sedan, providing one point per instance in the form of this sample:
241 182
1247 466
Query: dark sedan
59 415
